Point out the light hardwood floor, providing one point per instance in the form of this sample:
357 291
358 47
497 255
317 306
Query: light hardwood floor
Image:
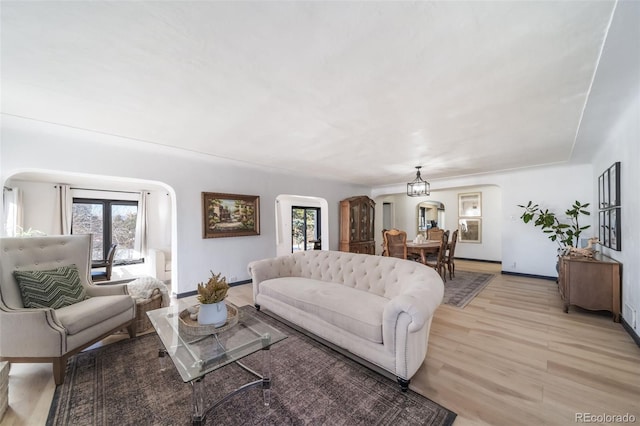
510 357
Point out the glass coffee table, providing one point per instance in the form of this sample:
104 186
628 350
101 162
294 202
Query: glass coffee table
196 356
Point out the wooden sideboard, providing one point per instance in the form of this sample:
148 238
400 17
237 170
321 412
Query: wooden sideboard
357 219
592 284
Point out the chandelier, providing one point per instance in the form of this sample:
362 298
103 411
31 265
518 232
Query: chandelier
418 187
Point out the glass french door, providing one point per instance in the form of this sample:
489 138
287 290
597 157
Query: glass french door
305 228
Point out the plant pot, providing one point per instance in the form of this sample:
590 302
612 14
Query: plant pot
212 313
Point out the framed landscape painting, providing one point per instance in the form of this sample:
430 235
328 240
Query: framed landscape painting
469 230
230 215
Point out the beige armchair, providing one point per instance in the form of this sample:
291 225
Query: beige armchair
36 335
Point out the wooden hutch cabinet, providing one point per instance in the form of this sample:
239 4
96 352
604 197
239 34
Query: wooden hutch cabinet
357 216
592 284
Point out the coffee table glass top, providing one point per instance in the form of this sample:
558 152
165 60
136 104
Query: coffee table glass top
195 356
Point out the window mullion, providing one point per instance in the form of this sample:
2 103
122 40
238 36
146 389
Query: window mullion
106 231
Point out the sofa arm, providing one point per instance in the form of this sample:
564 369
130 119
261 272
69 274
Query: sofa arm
418 305
33 331
266 269
106 290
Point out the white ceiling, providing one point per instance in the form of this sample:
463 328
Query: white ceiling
355 91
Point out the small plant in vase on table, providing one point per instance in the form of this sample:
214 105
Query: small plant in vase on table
211 296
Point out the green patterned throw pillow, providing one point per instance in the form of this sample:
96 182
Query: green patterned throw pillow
54 288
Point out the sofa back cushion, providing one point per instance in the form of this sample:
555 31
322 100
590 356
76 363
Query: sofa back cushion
383 276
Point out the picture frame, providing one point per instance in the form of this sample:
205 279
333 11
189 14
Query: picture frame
605 225
605 196
601 202
614 228
470 204
609 228
614 185
470 230
230 215
603 230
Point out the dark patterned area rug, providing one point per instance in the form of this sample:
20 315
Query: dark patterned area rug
466 285
122 384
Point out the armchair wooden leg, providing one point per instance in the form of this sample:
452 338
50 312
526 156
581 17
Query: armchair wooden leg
131 329
59 370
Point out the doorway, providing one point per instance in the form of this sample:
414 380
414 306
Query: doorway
305 228
387 221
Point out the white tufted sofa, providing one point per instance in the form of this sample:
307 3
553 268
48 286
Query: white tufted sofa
377 308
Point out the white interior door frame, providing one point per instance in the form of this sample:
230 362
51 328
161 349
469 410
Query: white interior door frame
284 204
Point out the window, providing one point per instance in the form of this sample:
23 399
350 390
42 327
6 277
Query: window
305 228
110 221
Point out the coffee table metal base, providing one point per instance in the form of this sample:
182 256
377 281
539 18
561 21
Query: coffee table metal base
200 412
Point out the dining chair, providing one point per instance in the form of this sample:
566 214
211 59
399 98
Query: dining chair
107 264
384 250
450 263
395 243
435 234
437 261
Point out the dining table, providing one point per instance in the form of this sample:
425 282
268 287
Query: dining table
429 246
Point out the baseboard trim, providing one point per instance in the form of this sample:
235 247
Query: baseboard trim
499 262
187 294
519 274
630 330
195 292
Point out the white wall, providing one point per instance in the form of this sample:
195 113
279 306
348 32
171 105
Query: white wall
623 144
29 145
405 214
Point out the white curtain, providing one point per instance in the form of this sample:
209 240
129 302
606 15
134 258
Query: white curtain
141 227
12 211
64 201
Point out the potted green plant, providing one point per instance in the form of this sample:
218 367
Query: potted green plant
211 296
565 234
